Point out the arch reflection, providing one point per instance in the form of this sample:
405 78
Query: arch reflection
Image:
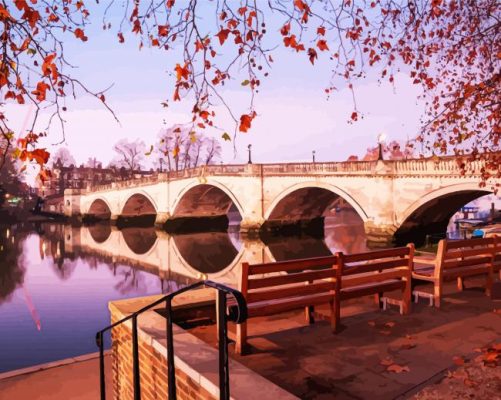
207 252
100 232
139 240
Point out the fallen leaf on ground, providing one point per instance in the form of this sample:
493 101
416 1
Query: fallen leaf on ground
458 360
408 346
387 361
398 368
390 324
383 332
468 382
371 323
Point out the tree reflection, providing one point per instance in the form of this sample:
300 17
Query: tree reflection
12 266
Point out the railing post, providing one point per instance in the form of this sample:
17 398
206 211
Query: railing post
135 360
171 372
224 373
102 381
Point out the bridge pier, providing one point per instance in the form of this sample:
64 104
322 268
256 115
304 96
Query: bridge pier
379 235
161 218
114 219
250 227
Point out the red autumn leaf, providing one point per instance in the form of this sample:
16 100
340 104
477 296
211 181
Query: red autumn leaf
102 98
322 45
321 30
41 156
40 91
163 30
79 34
170 3
242 10
246 121
120 37
397 368
312 54
176 95
285 29
181 72
223 35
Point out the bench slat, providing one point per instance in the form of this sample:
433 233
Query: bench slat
293 265
376 254
455 244
267 308
292 291
469 262
371 288
377 277
285 279
471 252
374 266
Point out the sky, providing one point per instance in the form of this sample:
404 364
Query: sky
294 117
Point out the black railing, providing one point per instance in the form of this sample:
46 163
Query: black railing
237 314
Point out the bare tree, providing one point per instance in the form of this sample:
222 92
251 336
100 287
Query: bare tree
130 154
63 157
213 151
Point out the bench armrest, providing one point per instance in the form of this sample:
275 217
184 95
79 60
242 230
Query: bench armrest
424 260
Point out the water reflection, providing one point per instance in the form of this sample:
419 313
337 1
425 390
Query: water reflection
207 252
56 280
139 240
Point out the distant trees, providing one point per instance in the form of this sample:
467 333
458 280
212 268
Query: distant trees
393 150
93 162
62 157
181 148
130 154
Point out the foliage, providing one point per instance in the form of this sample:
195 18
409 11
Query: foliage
451 49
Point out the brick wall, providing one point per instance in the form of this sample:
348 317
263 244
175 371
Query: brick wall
153 370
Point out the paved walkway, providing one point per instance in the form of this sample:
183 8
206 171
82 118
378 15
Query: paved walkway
75 379
379 355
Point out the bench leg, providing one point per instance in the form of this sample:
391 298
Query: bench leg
335 307
437 293
460 283
405 307
377 299
488 283
308 313
241 338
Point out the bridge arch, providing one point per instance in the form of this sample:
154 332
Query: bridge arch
138 204
100 208
205 200
431 213
323 194
140 240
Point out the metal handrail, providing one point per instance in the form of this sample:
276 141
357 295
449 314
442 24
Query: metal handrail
237 314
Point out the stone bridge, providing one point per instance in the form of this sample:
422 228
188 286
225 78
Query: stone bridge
396 200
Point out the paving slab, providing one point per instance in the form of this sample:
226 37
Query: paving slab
75 379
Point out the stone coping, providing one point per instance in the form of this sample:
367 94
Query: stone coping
52 364
193 356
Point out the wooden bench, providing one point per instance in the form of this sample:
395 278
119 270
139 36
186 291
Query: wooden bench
456 259
278 287
376 272
307 283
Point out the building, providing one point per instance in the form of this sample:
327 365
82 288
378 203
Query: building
81 177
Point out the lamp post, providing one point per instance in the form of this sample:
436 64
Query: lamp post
380 139
249 150
313 156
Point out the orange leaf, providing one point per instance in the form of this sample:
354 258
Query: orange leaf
397 368
182 72
120 37
322 45
79 33
312 54
321 30
223 35
246 121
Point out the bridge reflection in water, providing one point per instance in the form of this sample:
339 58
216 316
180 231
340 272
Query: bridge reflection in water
190 257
